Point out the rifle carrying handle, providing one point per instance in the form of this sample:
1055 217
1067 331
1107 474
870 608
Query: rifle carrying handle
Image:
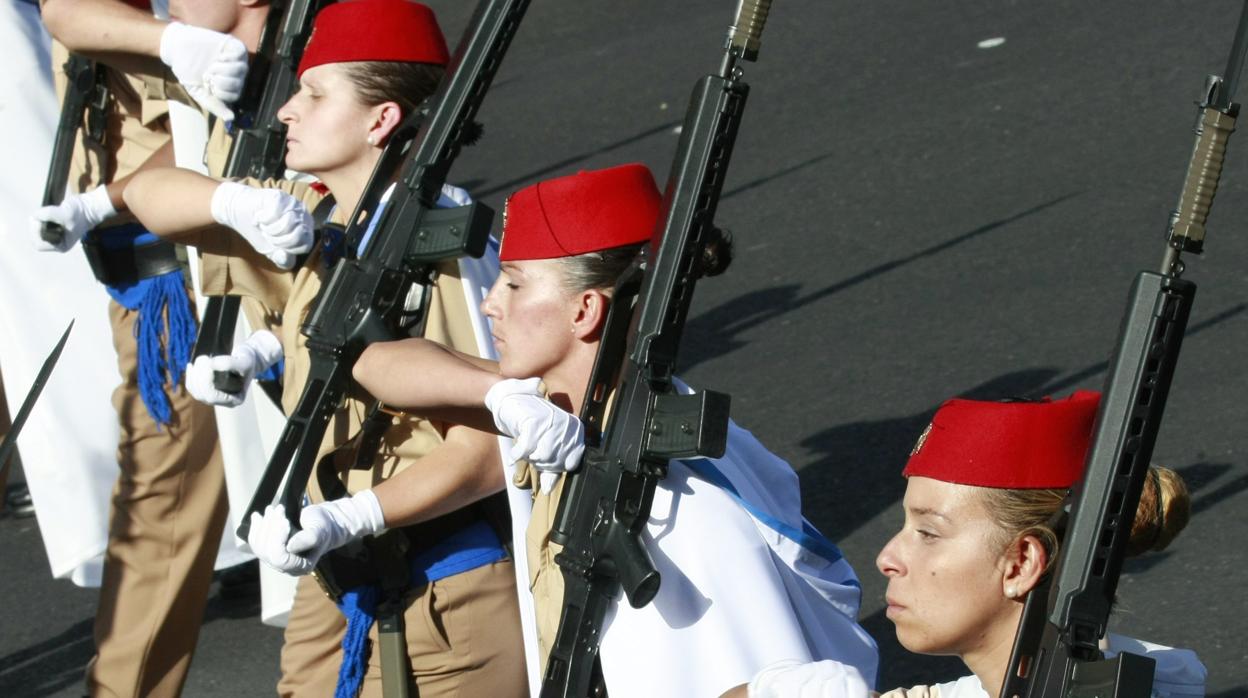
1187 228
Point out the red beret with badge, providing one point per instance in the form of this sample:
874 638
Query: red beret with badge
586 212
1007 445
375 30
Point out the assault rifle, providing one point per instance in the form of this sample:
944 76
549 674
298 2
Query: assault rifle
366 297
1056 651
85 94
259 150
606 501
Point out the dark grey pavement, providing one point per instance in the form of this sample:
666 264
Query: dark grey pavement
916 217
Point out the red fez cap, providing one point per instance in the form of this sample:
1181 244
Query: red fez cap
1007 445
375 30
585 212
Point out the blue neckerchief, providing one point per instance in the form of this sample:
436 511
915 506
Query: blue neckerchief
471 547
158 301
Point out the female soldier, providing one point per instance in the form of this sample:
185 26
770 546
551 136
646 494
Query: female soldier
746 580
984 480
368 63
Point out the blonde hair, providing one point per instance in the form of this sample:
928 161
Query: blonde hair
1164 510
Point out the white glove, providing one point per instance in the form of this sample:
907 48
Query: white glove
210 65
549 438
325 526
77 214
793 679
256 355
275 223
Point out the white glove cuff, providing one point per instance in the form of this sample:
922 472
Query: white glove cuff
223 201
98 205
173 35
266 348
369 508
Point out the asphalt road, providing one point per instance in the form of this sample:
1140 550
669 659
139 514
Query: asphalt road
917 215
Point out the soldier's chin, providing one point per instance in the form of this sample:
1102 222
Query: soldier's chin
914 640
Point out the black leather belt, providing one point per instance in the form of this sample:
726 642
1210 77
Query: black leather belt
128 265
384 559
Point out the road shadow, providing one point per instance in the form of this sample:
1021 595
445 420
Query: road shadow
857 473
58 663
528 177
715 332
49 666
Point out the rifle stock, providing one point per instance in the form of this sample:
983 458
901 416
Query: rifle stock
1056 649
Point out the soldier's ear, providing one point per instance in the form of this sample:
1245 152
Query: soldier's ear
591 314
385 118
1024 563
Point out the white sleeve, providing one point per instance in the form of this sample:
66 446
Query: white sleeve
792 679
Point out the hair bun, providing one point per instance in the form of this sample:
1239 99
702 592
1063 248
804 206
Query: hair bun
1164 510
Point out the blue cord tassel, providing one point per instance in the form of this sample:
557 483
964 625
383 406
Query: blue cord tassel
360 607
163 359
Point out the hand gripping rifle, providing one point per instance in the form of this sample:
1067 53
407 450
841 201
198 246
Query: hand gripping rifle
85 94
365 299
259 150
1056 651
606 502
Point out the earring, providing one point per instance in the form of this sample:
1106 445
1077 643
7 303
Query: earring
372 140
1011 592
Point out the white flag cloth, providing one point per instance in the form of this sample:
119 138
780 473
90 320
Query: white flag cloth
746 582
69 445
478 276
249 432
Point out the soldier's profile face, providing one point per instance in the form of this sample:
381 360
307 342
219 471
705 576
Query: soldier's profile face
532 317
945 572
327 125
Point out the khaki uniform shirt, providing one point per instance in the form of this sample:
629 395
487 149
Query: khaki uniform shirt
291 294
545 576
136 126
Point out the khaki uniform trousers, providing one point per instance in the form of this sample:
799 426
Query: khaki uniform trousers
165 522
463 640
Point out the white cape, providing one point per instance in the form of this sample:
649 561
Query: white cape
746 582
478 276
69 445
248 433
